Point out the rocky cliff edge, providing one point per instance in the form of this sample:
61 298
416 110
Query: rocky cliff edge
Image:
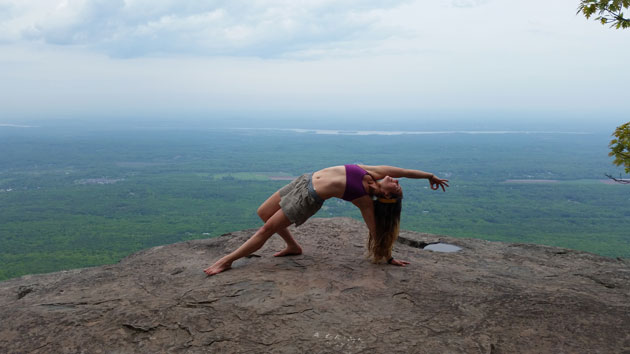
490 297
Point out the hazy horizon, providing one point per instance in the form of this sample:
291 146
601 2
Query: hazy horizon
428 123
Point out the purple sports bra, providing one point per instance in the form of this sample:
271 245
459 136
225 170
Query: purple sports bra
354 183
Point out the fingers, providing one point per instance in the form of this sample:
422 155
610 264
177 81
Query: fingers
441 183
438 185
399 263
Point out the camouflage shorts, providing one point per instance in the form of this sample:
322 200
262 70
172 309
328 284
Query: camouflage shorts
299 200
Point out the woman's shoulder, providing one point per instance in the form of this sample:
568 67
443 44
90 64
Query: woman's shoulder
374 171
379 172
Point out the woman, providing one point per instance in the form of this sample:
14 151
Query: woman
359 184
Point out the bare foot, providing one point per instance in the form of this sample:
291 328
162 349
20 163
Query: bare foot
218 267
289 251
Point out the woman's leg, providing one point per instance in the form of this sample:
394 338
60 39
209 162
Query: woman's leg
268 209
272 225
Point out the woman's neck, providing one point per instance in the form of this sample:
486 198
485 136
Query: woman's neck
369 187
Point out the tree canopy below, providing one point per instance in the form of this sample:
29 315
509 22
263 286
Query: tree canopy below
620 146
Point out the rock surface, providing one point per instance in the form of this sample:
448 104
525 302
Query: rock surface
488 298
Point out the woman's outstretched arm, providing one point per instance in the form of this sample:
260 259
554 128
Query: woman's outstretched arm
380 172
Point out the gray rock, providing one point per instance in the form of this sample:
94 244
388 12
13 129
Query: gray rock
490 297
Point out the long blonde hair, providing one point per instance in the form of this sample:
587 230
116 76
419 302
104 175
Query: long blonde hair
387 220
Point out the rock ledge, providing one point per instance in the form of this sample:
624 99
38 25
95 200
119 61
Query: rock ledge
490 297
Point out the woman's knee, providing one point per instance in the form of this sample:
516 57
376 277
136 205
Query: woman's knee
275 223
261 213
265 213
269 207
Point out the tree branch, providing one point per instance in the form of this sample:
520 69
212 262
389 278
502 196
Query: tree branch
618 180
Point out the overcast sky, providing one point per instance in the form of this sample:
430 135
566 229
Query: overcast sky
174 59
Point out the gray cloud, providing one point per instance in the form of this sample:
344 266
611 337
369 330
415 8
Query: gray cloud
134 28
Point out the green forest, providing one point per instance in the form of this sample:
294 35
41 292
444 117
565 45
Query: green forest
77 197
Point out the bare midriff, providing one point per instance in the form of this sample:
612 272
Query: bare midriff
331 182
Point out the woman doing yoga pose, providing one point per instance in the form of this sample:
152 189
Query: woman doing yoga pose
373 189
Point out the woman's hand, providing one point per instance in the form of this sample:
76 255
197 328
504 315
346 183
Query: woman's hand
436 183
398 262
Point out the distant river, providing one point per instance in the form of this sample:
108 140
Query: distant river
412 132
